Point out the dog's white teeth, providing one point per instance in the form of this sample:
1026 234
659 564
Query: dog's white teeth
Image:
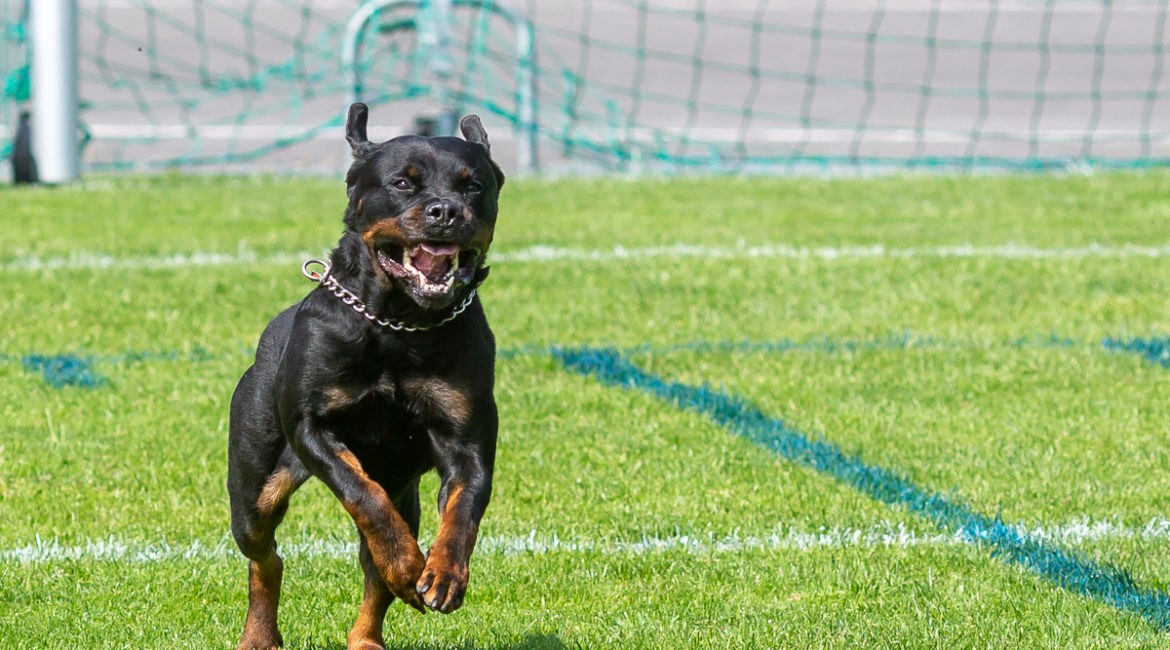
406 261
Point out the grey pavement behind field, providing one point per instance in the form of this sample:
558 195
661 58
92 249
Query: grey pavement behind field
917 83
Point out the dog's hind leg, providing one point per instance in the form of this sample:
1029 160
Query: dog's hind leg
366 633
260 628
257 509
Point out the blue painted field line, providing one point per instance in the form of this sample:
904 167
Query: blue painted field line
1067 569
1155 349
62 370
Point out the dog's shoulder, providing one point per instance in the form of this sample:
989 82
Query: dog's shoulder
276 334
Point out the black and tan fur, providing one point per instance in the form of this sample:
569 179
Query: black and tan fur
367 409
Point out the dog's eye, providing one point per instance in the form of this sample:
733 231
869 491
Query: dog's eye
401 184
474 187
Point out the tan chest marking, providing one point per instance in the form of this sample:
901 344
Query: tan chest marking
340 398
440 398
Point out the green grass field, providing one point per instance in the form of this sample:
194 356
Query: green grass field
950 330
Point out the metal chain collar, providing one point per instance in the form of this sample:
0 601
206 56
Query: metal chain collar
351 299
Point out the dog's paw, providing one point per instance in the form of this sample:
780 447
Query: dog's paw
404 575
365 644
258 641
443 584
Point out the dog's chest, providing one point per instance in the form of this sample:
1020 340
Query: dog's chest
377 412
374 397
393 399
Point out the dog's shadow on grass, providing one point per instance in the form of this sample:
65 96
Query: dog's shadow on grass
530 642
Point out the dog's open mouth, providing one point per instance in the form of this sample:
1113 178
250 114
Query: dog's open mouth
431 268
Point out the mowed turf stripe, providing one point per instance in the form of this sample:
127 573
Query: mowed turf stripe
83 260
1080 530
1064 568
73 363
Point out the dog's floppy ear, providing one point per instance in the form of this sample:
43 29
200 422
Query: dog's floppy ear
355 126
473 131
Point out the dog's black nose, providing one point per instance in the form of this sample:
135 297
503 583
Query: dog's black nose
444 213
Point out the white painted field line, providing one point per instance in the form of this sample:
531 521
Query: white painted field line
887 535
82 260
550 254
786 251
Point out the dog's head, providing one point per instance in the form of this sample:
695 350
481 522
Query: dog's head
424 207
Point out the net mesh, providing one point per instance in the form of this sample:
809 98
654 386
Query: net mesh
623 84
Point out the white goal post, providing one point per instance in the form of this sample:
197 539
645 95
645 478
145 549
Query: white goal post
54 90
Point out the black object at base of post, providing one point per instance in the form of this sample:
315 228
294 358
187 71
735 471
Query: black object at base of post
24 166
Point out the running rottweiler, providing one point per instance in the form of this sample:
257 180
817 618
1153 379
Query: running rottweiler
380 374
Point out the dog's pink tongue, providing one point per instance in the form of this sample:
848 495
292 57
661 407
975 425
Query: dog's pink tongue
433 259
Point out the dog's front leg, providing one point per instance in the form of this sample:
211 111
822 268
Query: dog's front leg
393 548
465 469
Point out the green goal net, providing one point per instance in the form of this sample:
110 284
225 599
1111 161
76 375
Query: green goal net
13 68
731 85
